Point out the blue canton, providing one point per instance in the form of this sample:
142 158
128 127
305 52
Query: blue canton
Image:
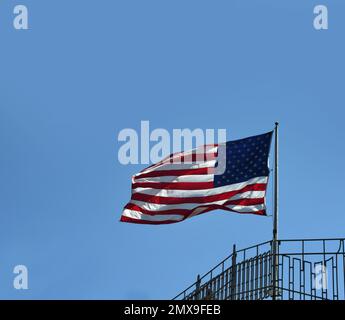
245 159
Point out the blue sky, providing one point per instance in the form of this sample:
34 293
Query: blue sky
87 69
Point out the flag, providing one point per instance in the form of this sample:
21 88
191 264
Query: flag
190 183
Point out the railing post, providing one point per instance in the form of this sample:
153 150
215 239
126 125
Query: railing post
275 269
234 274
197 288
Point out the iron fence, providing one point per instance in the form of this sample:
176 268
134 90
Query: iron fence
307 269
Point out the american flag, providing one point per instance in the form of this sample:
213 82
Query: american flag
232 176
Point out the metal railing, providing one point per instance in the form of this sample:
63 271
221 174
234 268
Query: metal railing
308 269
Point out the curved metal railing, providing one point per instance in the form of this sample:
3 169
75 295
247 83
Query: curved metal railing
307 269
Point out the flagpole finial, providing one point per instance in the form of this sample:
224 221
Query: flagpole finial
277 123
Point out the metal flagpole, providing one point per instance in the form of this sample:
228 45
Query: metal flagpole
275 218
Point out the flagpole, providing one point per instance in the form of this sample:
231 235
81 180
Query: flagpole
275 217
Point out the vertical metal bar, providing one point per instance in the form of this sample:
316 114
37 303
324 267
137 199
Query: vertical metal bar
244 276
247 280
343 269
261 277
222 283
281 285
275 216
303 271
209 291
239 277
213 288
314 279
256 276
233 280
293 278
226 283
299 273
266 274
197 287
279 267
290 279
335 278
218 287
310 288
324 291
238 280
311 279
252 264
270 264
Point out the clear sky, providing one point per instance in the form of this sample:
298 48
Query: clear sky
87 69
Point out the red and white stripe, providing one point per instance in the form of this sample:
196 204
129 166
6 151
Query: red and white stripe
181 186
